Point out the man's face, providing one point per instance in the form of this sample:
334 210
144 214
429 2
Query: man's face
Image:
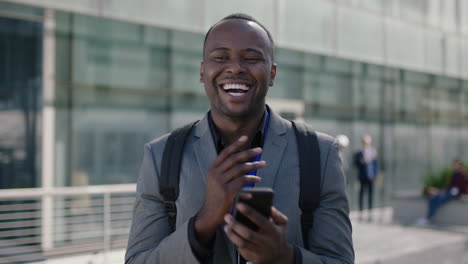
367 141
237 68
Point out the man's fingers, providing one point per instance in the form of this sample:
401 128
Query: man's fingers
278 217
240 229
242 169
239 158
253 215
231 149
237 240
238 182
240 235
245 195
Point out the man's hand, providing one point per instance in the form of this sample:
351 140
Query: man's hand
269 244
224 178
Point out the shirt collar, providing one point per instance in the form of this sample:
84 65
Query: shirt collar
220 145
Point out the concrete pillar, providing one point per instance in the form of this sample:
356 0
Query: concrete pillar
48 128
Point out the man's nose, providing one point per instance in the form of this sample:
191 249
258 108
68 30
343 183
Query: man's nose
235 66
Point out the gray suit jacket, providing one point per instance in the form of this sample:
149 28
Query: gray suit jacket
330 239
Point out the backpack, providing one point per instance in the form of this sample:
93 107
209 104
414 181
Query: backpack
309 167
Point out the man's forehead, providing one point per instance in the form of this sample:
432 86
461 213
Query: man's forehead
238 26
237 22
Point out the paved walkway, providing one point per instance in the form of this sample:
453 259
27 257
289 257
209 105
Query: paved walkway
376 241
112 257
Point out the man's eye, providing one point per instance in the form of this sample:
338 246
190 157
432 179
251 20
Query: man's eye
252 59
221 58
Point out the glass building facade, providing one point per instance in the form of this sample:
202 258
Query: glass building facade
20 98
120 73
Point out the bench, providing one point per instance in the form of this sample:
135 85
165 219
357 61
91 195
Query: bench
408 207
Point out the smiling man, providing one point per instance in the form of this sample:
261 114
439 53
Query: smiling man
239 141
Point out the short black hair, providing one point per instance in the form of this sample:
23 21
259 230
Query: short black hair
243 17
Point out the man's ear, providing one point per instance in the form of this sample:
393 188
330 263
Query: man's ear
201 71
272 74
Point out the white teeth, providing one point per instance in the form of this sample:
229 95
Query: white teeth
232 86
236 94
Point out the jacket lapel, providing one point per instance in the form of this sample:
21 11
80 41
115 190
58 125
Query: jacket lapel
204 149
224 250
273 151
205 153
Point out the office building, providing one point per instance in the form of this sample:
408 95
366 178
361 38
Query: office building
84 84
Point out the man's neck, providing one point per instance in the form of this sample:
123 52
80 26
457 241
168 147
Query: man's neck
230 129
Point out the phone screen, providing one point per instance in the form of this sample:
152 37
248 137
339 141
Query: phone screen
258 198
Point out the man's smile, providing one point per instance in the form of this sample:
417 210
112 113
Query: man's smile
235 89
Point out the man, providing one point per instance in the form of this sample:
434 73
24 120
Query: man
456 187
237 71
343 142
368 170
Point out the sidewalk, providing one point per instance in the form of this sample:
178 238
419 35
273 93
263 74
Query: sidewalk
111 257
377 241
380 241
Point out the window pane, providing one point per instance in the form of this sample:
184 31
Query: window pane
262 10
338 65
327 91
391 8
448 17
413 10
464 57
415 102
330 90
434 50
371 97
108 144
8 8
354 31
185 62
289 80
464 16
465 91
20 93
115 78
433 13
408 159
75 5
446 103
307 24
447 106
111 53
405 44
452 55
178 14
372 5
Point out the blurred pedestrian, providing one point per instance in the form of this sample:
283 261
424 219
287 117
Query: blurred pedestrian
343 141
368 170
453 190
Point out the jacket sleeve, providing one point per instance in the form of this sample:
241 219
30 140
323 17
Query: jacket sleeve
330 238
150 240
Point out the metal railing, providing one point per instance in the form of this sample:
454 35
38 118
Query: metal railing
38 223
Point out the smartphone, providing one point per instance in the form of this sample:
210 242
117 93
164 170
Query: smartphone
260 199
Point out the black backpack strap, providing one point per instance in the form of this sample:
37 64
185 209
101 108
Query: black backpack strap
170 170
310 178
